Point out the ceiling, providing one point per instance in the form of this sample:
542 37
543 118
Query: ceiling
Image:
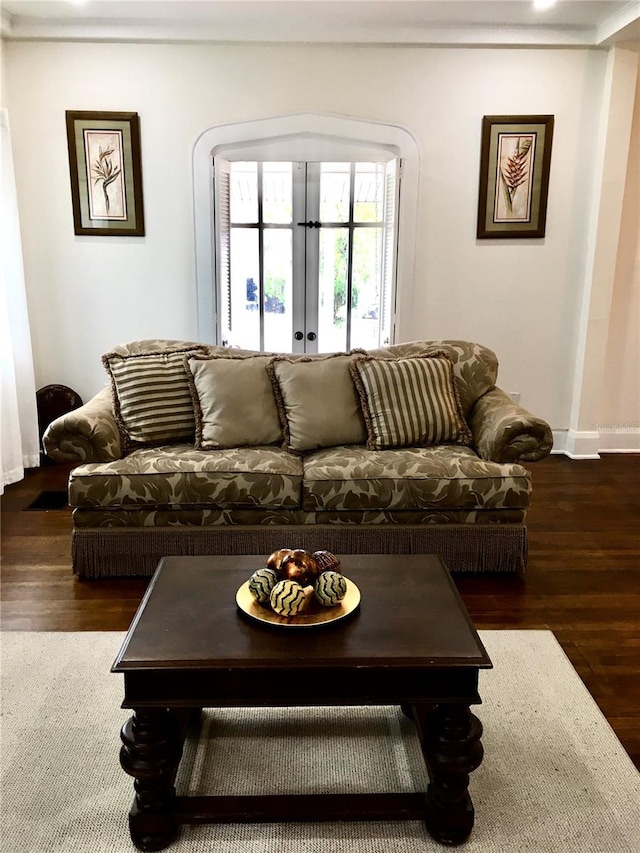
433 22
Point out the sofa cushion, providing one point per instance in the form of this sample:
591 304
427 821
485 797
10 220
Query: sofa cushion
151 396
353 478
317 402
233 401
410 401
180 475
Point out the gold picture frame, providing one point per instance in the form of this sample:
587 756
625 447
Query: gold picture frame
514 176
106 173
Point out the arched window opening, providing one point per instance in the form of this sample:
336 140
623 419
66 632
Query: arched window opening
297 242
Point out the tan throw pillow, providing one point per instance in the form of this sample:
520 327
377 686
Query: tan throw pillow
151 395
410 401
233 402
317 402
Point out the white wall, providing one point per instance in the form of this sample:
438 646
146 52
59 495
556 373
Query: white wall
3 73
519 297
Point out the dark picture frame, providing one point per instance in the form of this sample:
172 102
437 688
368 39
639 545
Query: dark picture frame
106 173
515 163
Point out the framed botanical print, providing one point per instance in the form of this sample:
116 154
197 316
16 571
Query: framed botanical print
106 173
514 176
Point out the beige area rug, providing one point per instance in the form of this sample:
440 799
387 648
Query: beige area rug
554 778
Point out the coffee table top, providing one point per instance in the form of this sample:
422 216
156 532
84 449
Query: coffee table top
410 615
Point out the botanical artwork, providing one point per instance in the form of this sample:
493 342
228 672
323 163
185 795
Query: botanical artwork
514 178
515 164
105 167
106 173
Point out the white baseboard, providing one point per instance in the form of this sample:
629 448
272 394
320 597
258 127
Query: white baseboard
589 445
620 441
582 445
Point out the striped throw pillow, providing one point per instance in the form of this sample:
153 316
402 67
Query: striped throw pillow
410 401
152 397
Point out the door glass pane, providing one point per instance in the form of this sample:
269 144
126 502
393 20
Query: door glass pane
244 192
365 287
369 192
244 328
334 192
278 315
276 193
332 289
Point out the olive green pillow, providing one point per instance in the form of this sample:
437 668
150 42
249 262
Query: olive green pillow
233 402
317 402
410 401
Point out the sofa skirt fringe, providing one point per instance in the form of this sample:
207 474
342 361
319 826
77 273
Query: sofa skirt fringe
136 552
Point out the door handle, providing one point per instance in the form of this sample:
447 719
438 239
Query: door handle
311 336
298 336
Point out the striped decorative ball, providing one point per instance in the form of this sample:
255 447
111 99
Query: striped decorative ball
330 588
261 583
288 598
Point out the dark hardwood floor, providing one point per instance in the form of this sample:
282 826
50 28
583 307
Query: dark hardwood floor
582 582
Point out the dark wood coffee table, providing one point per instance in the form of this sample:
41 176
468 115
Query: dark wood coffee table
411 643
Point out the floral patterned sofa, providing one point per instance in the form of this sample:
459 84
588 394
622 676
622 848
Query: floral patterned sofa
195 449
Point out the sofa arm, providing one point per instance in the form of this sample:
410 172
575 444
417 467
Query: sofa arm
87 434
505 432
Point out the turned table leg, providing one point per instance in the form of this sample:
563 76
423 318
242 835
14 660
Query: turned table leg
151 752
450 739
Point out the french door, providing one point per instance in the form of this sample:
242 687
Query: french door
305 254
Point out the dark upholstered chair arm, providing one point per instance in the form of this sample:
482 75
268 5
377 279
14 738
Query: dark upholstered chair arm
87 434
505 432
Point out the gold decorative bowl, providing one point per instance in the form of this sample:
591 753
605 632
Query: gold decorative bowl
315 614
